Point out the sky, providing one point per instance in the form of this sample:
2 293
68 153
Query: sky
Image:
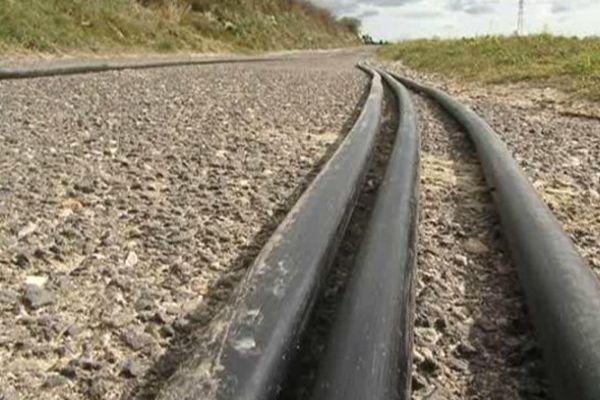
408 19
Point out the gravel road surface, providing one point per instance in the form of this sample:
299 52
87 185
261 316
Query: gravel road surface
555 138
132 201
473 338
131 204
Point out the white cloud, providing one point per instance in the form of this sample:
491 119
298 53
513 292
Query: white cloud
350 6
477 9
560 8
368 14
394 19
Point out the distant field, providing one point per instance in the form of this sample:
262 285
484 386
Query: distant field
60 26
570 64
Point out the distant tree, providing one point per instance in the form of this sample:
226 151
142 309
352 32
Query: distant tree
352 24
367 39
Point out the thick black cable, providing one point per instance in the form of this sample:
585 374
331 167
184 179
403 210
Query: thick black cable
256 337
563 293
103 66
370 351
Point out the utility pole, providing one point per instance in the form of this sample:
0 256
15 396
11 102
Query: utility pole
521 17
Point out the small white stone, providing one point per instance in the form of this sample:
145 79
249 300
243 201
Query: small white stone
27 230
131 260
475 246
461 260
37 281
427 335
244 345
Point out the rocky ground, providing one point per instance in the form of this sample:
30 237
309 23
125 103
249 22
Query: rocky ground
472 336
131 200
558 147
555 139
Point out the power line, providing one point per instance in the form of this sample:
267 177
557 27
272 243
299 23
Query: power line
520 23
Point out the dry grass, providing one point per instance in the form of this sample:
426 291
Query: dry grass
53 26
567 63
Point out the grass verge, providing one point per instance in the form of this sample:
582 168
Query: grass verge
567 63
58 26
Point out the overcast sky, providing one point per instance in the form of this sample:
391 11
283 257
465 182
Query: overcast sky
399 19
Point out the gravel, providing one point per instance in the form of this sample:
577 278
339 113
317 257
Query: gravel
559 153
554 138
472 336
131 203
473 339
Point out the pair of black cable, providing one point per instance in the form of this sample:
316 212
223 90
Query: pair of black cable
562 292
372 346
369 357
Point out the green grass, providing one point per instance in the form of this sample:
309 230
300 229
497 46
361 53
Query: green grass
567 63
59 26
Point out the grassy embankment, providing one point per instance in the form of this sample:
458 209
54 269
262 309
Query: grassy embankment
58 26
569 64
